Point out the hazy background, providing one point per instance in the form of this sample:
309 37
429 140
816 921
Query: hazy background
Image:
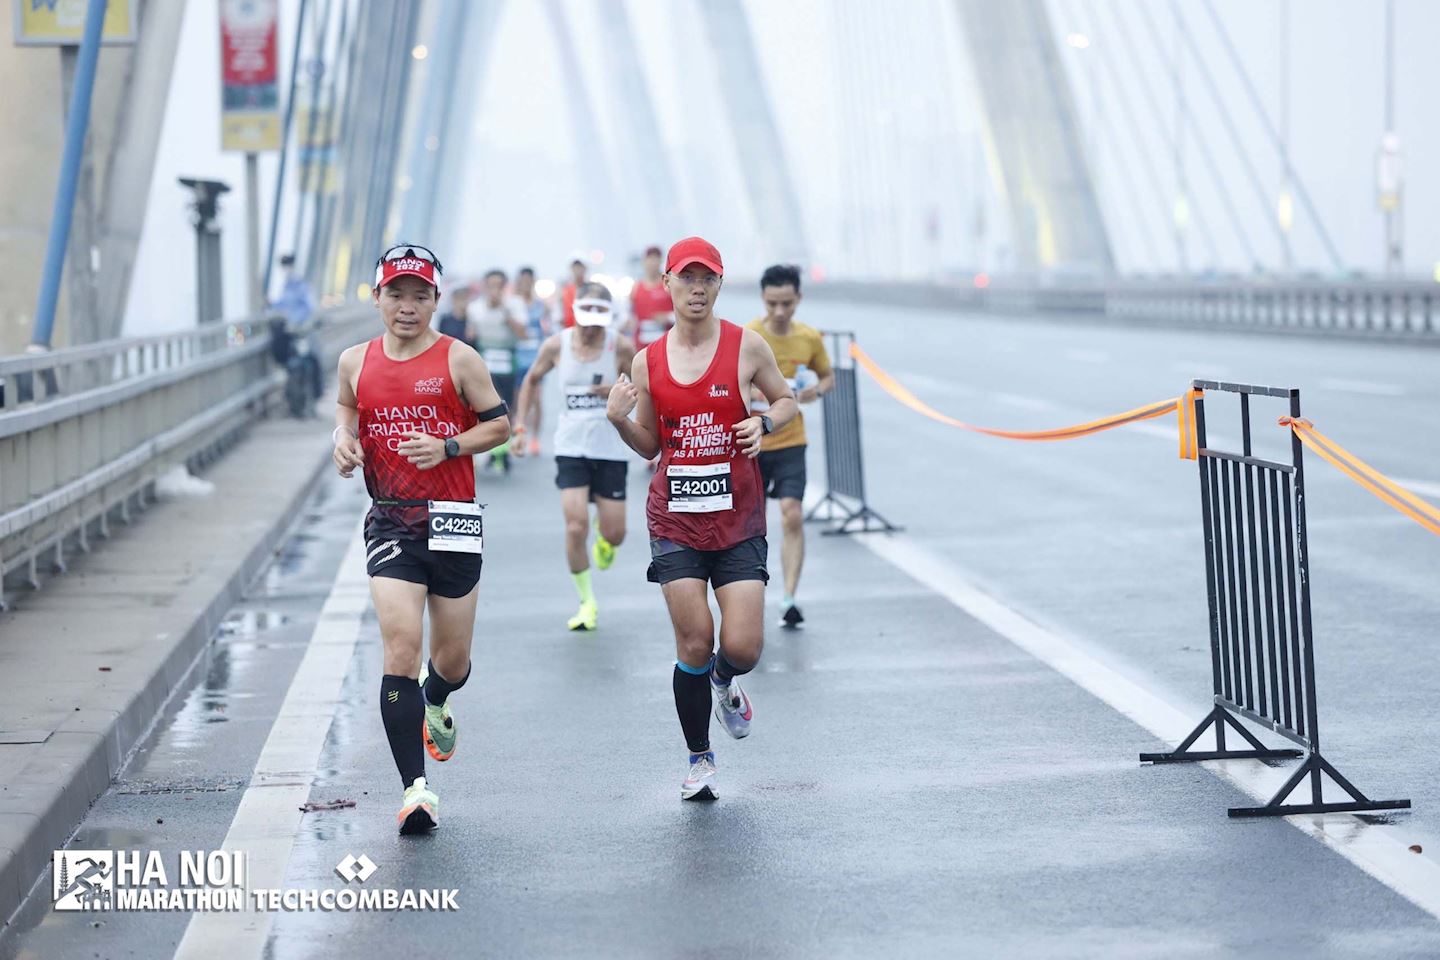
882 137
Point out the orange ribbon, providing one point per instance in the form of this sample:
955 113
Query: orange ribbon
1423 513
1183 406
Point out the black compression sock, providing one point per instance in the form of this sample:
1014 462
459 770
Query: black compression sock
692 705
725 671
438 689
403 712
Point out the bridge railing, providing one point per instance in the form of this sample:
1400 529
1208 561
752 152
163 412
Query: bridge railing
85 431
1398 309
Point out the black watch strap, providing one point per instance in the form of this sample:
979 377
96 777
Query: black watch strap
767 426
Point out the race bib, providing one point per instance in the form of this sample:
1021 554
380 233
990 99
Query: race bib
456 526
700 488
580 401
651 330
499 361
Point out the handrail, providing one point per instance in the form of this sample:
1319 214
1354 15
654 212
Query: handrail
99 423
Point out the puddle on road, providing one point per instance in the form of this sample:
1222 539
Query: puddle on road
249 623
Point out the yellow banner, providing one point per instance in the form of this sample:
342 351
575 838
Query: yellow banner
249 132
61 23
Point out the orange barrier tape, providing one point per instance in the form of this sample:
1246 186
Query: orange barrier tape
1423 513
1183 406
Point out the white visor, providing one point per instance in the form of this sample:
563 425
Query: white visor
593 312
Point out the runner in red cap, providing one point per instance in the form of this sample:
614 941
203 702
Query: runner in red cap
690 393
414 407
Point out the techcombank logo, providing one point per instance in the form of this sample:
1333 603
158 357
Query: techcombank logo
198 881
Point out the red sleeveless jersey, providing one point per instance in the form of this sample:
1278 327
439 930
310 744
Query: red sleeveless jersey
706 494
396 397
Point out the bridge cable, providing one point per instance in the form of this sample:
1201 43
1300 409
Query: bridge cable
1147 164
1206 153
1275 141
1229 121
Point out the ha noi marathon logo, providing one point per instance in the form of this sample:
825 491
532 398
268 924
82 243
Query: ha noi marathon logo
218 881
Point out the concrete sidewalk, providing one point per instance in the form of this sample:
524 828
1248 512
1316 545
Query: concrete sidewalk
87 663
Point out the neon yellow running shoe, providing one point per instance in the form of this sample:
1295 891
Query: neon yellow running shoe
584 619
439 730
420 810
602 551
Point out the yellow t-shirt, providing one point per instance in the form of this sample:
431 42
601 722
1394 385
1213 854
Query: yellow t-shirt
803 344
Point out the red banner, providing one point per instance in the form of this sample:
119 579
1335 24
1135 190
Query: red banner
250 74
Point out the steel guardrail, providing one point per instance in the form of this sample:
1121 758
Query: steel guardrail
85 431
1380 309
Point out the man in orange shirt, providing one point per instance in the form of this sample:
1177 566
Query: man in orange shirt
800 352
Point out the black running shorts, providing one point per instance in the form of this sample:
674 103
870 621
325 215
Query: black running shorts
605 478
673 561
445 574
782 472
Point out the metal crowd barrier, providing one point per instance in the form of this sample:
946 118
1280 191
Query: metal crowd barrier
844 459
85 431
1257 576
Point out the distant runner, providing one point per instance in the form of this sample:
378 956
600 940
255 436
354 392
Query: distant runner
590 460
800 352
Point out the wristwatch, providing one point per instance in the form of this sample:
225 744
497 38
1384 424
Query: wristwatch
767 426
452 448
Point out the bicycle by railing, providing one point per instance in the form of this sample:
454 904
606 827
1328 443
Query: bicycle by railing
85 431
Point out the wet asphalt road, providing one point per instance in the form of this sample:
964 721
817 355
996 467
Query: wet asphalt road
915 785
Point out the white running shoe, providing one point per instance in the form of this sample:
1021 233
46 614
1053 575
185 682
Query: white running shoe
732 708
700 781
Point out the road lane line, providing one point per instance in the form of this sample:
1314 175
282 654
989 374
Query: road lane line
1423 487
1381 850
1367 387
268 819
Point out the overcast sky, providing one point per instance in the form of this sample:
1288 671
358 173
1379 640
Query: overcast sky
882 139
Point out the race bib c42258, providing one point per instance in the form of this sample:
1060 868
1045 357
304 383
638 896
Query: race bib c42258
456 526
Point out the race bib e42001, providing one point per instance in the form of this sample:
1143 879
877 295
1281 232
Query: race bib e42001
456 526
699 488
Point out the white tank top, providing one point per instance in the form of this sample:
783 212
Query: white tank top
582 429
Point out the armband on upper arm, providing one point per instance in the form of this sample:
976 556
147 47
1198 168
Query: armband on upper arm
494 413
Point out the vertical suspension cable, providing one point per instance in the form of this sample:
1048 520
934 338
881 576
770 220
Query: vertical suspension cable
1183 33
1146 162
1259 108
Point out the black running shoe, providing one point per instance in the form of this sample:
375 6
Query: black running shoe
792 617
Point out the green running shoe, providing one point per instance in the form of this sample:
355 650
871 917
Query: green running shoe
439 729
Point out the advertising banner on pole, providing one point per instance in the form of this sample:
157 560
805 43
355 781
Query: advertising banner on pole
250 75
59 23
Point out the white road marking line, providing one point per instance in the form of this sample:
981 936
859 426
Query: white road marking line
268 819
934 384
1023 402
1423 487
1380 850
1367 387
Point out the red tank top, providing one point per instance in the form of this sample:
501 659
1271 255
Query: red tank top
706 494
396 397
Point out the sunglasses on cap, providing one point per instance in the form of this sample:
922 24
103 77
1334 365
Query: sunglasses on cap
402 251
